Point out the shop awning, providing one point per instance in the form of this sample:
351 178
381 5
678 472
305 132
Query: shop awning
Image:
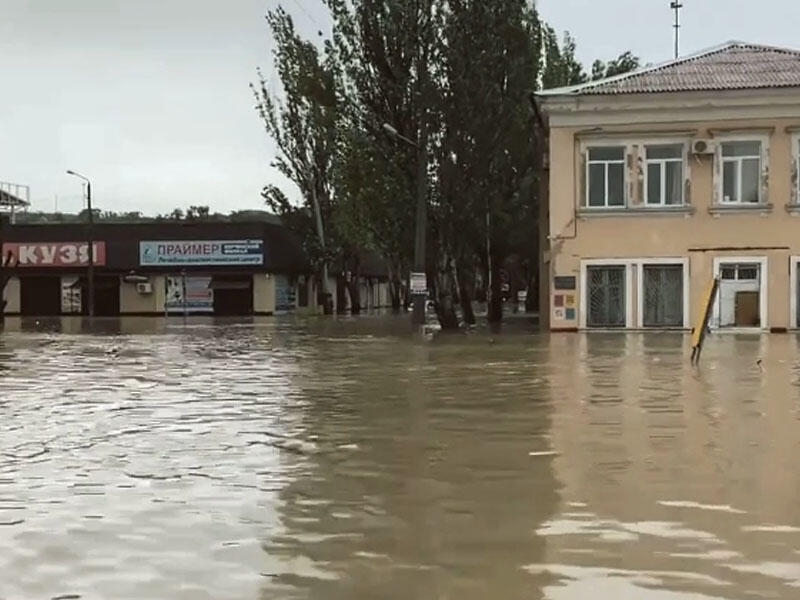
218 283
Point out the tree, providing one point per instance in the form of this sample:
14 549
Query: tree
385 50
561 67
303 125
430 92
495 55
624 63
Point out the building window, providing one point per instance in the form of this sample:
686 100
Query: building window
662 288
605 177
739 272
606 296
664 174
741 172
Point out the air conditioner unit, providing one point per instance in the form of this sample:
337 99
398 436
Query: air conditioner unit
704 146
144 288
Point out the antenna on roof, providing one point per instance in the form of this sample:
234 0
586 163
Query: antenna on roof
676 6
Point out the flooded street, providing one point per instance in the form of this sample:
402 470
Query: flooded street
346 460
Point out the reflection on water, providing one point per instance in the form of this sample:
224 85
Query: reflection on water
343 459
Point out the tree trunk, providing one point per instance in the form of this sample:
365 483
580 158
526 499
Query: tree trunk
445 300
354 292
466 289
341 295
532 299
495 308
394 287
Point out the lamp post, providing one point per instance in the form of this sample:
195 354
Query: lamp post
89 240
418 276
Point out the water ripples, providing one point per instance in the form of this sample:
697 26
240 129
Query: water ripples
342 459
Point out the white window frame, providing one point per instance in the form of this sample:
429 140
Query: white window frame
633 265
763 291
794 265
662 162
668 261
624 162
763 159
606 262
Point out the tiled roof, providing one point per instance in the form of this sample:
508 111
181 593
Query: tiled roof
731 66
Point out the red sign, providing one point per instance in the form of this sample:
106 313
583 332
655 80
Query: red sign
55 254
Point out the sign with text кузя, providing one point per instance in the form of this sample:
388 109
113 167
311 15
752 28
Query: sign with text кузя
187 253
54 254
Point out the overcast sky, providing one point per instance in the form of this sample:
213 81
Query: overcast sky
150 98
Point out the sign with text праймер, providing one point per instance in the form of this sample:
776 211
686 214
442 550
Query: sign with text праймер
54 254
188 253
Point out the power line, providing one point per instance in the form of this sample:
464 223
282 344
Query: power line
305 11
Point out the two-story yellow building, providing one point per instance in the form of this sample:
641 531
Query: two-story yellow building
666 177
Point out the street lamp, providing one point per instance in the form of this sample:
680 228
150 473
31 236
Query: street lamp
418 277
89 240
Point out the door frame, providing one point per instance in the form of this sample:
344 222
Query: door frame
763 290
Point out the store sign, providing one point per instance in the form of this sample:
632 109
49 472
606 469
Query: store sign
55 254
201 252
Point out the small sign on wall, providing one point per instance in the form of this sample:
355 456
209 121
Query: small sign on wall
559 314
564 282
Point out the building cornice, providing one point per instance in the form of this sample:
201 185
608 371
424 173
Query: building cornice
624 109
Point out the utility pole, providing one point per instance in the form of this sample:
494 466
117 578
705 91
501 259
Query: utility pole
89 241
676 6
418 297
418 279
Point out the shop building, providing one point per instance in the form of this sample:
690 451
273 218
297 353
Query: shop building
149 269
665 178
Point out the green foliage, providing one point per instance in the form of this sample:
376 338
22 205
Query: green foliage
453 78
561 67
624 63
303 121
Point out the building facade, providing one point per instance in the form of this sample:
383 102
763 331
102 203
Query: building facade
667 177
157 269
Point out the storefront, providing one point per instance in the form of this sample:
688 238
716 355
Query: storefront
204 276
51 278
162 268
223 269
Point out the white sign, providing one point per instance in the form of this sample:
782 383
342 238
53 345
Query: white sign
201 252
419 283
198 296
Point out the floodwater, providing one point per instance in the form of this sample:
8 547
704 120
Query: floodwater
345 460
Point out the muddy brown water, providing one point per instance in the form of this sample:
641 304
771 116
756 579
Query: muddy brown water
302 459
